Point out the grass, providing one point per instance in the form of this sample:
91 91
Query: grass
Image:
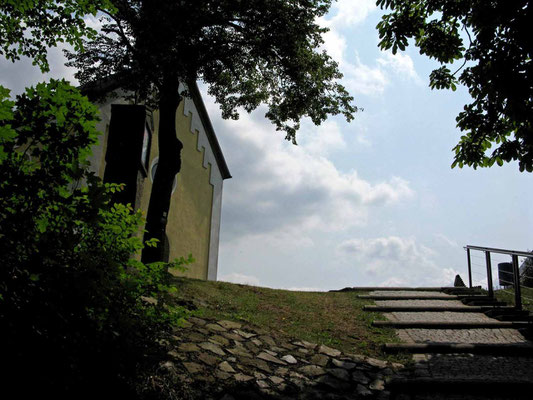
507 295
334 319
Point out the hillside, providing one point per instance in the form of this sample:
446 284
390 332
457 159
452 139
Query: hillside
334 319
245 342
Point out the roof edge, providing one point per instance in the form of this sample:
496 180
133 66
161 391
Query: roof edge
96 91
206 121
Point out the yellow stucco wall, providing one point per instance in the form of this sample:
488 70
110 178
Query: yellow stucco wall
189 220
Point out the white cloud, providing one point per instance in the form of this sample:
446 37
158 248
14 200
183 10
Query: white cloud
393 282
400 64
362 140
305 289
21 74
372 81
363 79
94 22
446 240
284 239
322 140
334 44
359 77
390 248
277 186
398 261
348 13
240 278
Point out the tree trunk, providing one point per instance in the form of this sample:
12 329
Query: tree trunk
168 166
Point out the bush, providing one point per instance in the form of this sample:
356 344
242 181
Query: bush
77 311
526 272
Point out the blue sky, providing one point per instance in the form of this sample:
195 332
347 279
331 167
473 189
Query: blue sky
373 202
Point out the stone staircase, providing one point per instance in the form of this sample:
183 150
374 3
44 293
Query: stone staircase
465 345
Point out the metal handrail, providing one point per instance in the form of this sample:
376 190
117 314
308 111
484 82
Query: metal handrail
516 272
501 251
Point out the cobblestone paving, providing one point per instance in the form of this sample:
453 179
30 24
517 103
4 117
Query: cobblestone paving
420 303
447 316
500 336
468 366
458 396
231 361
458 367
505 372
409 293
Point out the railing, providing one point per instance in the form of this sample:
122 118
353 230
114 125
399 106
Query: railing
515 282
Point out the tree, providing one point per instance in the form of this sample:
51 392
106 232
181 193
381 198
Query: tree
247 52
73 303
28 28
496 68
71 296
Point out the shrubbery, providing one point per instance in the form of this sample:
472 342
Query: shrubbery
526 272
77 311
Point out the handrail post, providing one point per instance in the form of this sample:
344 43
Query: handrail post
489 274
516 279
469 267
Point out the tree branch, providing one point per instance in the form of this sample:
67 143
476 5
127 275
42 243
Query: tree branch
120 32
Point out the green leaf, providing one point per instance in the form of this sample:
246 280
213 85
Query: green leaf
42 224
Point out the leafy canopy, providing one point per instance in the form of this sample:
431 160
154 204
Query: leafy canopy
248 53
492 38
72 299
29 27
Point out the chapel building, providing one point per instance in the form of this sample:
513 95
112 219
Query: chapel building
128 153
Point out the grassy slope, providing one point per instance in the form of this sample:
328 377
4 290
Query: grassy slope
333 319
507 295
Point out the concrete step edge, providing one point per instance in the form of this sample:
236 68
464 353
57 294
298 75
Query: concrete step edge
407 289
478 386
407 297
512 349
452 325
475 303
467 309
390 289
444 296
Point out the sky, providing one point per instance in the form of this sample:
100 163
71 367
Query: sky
373 202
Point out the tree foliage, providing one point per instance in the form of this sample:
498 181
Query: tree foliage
247 52
73 303
78 313
492 39
29 27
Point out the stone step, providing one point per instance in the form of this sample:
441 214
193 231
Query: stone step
489 302
444 289
451 324
493 387
391 289
467 298
462 290
466 309
503 349
514 317
505 311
